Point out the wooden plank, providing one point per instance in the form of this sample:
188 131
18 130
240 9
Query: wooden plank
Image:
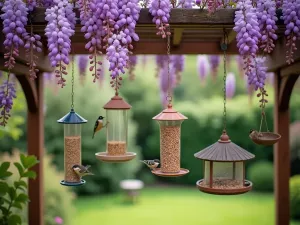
35 146
177 36
281 160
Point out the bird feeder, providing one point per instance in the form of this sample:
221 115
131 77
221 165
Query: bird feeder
170 121
72 147
224 168
116 132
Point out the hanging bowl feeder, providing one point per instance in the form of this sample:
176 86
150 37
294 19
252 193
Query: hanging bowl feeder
224 168
116 132
170 122
72 147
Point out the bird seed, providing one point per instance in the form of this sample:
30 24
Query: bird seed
116 147
224 184
170 149
72 157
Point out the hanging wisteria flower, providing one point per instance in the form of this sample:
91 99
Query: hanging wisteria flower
240 64
266 16
132 64
202 67
163 75
213 5
70 14
160 10
161 60
230 85
258 76
177 62
32 46
58 31
7 94
46 3
248 33
31 4
82 66
92 27
186 4
278 3
214 61
291 18
14 21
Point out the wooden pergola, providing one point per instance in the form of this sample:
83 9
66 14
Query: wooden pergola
193 32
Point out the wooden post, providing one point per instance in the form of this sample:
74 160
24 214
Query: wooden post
35 146
281 157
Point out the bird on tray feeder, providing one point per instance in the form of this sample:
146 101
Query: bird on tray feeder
72 138
116 131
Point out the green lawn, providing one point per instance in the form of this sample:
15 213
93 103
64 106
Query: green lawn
177 206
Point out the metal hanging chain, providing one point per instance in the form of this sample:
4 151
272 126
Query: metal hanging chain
72 92
224 48
169 97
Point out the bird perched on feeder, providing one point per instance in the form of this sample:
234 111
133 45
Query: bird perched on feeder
152 164
99 125
255 134
82 170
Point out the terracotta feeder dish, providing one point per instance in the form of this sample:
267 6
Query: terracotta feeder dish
265 138
116 131
224 168
170 122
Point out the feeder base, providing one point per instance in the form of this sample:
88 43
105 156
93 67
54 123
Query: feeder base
266 139
82 182
217 191
159 173
103 156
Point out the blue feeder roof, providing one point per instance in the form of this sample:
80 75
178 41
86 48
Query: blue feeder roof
72 118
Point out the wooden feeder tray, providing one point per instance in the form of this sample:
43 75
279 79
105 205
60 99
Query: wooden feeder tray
218 191
74 184
266 138
103 156
159 173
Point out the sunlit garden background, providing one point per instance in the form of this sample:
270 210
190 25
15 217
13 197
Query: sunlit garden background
162 200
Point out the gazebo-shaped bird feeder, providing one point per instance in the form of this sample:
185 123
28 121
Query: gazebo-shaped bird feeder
72 156
117 131
224 168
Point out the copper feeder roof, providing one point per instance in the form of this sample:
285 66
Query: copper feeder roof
169 114
224 151
117 102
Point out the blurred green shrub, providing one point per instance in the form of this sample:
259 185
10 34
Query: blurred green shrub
295 197
261 174
58 199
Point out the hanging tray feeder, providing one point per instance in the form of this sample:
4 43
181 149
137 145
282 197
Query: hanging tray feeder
116 132
224 168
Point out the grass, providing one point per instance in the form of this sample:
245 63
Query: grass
177 206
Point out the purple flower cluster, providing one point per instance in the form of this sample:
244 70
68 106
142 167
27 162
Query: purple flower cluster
161 60
291 18
82 64
258 75
14 21
31 4
213 5
70 14
46 3
177 63
58 31
214 61
266 16
202 67
160 10
7 94
186 4
132 64
32 46
230 85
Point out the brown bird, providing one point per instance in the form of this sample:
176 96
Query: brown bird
254 134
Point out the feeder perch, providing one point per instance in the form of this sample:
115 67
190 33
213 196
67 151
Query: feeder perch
116 132
265 138
224 168
170 122
72 147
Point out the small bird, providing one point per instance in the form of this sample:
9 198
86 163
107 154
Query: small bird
152 164
254 134
82 170
99 125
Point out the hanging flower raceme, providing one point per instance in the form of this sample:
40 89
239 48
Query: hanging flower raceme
213 5
230 85
14 21
202 67
31 4
248 33
7 94
266 15
240 64
132 64
177 62
82 66
92 27
160 10
161 60
58 31
186 4
46 3
214 64
291 18
259 74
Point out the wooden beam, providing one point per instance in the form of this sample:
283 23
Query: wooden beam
35 146
177 36
230 36
281 159
30 92
286 88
